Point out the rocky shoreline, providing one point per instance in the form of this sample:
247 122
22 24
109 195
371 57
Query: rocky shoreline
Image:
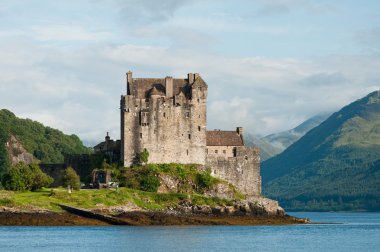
139 219
242 213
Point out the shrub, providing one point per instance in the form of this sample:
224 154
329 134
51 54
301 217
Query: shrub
143 157
70 177
22 177
149 183
205 180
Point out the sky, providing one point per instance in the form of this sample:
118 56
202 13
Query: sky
269 64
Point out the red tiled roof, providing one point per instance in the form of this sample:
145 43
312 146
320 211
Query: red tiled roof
223 138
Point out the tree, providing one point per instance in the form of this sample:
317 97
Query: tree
22 177
71 178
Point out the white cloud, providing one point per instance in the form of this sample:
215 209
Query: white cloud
67 32
69 74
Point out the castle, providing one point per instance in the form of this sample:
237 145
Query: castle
167 117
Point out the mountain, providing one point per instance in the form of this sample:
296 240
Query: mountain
274 144
267 150
27 138
284 139
335 166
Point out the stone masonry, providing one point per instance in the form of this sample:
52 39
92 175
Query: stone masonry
167 117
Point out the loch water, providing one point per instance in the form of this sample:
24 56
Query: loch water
350 232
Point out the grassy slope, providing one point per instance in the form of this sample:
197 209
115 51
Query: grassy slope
336 166
50 198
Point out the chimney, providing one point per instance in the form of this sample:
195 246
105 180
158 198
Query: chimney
240 131
169 86
107 137
129 82
190 77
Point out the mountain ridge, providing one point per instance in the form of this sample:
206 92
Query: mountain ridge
344 149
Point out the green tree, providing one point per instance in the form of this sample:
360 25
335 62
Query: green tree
70 177
22 177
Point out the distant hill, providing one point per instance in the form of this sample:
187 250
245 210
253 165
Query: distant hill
335 166
46 144
284 139
274 144
267 150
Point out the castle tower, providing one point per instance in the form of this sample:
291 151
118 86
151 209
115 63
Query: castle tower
166 116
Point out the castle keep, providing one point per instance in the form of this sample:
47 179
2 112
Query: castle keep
167 117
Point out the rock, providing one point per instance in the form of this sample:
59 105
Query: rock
220 190
168 184
18 153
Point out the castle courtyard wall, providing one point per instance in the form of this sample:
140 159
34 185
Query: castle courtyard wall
243 171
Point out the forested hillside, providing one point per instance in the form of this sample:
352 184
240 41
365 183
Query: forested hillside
46 144
335 166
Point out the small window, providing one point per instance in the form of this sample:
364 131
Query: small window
224 151
206 151
199 128
216 151
246 157
140 135
164 114
187 152
198 100
189 136
187 114
234 151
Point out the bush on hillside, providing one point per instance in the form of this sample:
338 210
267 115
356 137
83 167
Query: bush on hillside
23 177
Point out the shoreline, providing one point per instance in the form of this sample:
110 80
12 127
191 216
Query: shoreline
140 218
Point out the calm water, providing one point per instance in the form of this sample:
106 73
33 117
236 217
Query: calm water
358 232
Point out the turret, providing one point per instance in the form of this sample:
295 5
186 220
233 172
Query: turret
129 82
169 86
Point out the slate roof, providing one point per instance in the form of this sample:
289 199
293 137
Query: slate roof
223 138
142 87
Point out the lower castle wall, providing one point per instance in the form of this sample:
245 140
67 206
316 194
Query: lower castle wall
243 171
55 171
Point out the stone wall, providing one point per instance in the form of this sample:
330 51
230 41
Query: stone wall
243 170
172 127
82 164
55 171
221 151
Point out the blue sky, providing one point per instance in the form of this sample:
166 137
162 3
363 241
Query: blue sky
269 64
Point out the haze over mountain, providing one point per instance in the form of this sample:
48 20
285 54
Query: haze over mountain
335 166
274 144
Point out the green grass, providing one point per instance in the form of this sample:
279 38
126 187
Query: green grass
88 199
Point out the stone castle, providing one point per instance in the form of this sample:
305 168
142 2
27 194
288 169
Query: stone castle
167 117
